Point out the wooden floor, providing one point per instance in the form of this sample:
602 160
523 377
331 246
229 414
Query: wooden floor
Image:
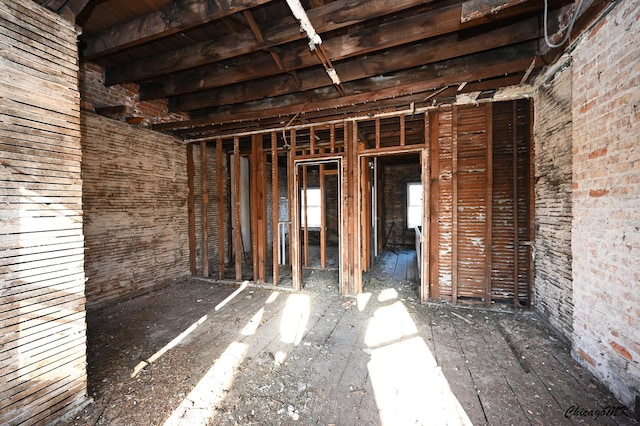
203 353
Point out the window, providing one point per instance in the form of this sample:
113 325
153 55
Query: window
414 204
313 207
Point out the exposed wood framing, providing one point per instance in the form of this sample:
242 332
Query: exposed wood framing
205 204
488 205
221 209
426 212
191 209
434 234
323 219
237 231
516 222
454 210
275 207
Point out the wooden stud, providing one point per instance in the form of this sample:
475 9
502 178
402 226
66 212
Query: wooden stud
205 204
275 199
332 138
237 231
426 211
531 203
221 215
306 217
294 240
377 132
402 130
191 209
312 140
323 219
454 210
516 222
255 205
434 228
489 206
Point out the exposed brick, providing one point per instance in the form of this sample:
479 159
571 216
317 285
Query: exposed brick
586 357
621 350
598 192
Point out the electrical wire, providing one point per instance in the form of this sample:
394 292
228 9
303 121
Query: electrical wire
572 21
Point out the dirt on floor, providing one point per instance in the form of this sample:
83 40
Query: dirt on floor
203 353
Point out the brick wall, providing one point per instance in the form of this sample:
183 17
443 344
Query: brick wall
553 292
606 200
95 95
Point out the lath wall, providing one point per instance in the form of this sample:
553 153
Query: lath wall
42 302
480 207
135 200
553 285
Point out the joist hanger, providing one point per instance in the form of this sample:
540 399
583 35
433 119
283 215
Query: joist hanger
315 43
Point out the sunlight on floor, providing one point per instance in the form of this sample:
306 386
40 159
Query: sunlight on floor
142 364
295 318
409 386
199 407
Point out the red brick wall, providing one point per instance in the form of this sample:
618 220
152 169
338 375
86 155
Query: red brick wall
95 94
606 200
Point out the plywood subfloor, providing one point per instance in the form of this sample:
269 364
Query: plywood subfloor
202 353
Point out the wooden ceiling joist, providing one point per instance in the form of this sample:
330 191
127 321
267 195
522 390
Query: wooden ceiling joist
398 34
180 16
330 17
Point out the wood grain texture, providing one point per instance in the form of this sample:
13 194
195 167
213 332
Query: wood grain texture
42 290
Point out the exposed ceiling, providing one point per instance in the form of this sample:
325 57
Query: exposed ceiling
240 65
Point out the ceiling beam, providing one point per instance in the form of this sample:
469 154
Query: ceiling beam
434 50
181 16
325 18
391 105
347 46
480 66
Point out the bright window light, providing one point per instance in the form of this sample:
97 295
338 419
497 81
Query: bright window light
414 204
313 207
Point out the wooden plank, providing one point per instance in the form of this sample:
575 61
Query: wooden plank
516 222
205 204
476 9
425 259
255 181
434 237
161 24
305 237
221 208
323 219
237 231
454 212
275 207
402 130
191 209
332 138
261 211
488 239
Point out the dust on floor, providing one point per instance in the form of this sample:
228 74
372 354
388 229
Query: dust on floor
205 353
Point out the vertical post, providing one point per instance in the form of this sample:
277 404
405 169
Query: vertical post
305 215
531 203
454 219
275 199
221 215
294 230
312 140
237 231
323 220
516 221
426 211
205 204
434 228
489 206
332 138
377 132
402 130
191 209
254 207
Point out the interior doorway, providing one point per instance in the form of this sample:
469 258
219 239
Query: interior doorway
392 215
317 218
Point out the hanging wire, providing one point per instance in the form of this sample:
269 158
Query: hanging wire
572 21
